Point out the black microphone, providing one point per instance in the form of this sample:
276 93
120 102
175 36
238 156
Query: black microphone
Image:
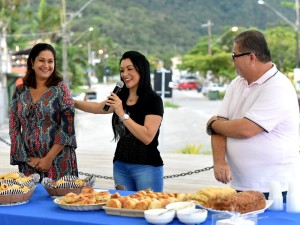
117 88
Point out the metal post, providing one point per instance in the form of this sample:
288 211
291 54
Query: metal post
64 43
297 32
64 24
208 25
1 60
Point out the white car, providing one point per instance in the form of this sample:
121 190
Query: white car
213 87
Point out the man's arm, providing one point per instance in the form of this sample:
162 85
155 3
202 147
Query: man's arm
239 128
221 169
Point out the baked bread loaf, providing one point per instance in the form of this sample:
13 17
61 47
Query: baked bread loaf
242 202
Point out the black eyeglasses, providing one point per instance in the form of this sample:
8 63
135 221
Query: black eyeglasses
233 55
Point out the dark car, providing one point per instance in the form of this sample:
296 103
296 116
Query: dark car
187 85
90 95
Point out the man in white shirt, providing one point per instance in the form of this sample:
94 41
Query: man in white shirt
254 136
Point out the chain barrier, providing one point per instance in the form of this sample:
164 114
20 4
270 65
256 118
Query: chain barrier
165 177
1 139
111 178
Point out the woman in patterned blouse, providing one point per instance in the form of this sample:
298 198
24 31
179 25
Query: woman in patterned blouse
41 123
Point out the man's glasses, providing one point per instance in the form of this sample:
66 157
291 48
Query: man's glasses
233 55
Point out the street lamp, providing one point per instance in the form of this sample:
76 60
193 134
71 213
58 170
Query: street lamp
64 35
82 34
294 25
232 29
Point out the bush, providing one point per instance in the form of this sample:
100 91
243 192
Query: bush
171 105
190 149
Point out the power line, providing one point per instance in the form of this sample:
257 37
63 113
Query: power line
33 34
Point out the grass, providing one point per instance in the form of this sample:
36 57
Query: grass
193 149
171 105
190 149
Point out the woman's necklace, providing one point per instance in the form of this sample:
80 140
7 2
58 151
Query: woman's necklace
132 100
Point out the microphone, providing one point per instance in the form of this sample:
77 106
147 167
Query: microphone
117 88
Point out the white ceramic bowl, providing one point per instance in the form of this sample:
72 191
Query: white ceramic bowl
180 205
152 216
192 216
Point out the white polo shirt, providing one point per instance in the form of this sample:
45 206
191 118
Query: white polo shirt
270 102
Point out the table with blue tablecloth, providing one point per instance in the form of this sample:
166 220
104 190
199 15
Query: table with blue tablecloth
41 210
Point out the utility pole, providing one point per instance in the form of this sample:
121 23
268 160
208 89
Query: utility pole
297 32
208 25
64 24
64 47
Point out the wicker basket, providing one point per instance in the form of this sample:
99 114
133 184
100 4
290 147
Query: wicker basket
10 199
67 187
62 191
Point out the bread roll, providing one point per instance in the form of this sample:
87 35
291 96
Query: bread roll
115 195
4 186
102 196
114 203
130 203
155 204
71 198
87 190
142 205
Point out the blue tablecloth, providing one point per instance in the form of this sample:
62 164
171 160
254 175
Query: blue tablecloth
41 210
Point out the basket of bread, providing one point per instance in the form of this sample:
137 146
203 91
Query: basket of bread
66 185
16 188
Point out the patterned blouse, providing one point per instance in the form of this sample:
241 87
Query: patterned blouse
35 127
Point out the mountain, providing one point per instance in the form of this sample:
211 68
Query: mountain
167 27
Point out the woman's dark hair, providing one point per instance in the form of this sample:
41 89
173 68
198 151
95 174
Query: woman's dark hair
254 41
29 78
142 66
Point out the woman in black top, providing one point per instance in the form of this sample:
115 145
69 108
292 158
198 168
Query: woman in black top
137 116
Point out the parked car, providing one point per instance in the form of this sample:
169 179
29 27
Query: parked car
212 87
187 85
77 96
90 95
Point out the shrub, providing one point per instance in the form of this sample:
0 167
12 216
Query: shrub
190 149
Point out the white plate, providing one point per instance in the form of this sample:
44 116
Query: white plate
91 207
12 204
268 204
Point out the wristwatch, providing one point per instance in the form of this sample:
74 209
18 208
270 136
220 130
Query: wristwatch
124 117
209 129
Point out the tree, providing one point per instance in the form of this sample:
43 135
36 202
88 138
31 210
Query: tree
282 42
